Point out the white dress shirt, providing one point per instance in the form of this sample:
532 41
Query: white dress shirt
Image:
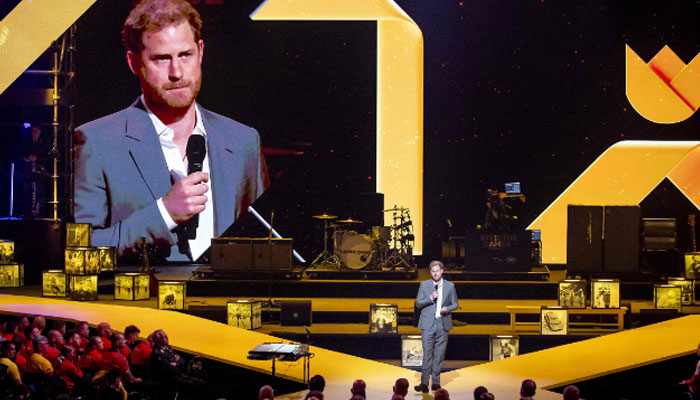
438 303
177 165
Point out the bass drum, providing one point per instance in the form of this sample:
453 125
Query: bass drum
353 250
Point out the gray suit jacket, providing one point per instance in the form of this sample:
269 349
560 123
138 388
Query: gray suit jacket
120 172
427 307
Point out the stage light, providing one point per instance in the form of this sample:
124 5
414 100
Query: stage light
26 125
244 314
55 283
131 286
171 295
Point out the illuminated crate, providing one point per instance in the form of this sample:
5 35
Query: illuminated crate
82 260
554 321
687 289
572 293
7 252
131 286
504 346
78 235
83 287
12 275
54 283
667 297
411 351
605 293
244 314
171 295
383 318
108 258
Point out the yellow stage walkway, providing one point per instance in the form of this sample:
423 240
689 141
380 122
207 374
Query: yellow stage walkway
549 368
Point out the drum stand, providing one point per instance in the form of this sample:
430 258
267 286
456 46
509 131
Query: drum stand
326 257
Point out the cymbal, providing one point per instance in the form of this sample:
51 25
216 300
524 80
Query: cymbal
325 216
349 221
395 209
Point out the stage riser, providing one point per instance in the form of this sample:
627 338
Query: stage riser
325 317
643 291
366 289
388 346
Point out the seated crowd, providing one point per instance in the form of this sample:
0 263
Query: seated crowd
317 384
55 363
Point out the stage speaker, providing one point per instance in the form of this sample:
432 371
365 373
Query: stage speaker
295 313
621 247
584 237
230 255
275 255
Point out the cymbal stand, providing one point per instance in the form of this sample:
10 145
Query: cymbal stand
326 257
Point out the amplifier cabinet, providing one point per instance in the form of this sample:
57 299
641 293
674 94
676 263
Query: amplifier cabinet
251 254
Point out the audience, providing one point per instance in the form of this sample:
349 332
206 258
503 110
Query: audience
7 358
441 394
358 388
478 391
314 395
571 392
317 383
104 331
527 389
266 393
168 368
401 387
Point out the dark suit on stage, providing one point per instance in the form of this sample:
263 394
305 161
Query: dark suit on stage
120 172
434 330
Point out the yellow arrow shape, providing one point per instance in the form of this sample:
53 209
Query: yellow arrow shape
623 175
28 30
399 92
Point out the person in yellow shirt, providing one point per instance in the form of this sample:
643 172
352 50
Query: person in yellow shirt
38 363
8 351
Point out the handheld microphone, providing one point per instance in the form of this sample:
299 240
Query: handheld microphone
436 288
195 152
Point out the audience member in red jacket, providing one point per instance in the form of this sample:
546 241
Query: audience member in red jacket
93 355
83 330
66 368
104 330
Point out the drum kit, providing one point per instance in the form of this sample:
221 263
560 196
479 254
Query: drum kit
382 248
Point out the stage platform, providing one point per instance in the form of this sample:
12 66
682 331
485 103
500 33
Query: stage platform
551 368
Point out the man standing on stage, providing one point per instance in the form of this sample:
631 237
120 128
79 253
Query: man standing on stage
436 300
133 178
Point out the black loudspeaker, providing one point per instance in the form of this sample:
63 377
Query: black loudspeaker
621 248
584 237
295 313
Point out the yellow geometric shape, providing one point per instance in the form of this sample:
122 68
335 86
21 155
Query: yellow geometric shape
28 30
666 64
650 95
623 175
688 82
399 92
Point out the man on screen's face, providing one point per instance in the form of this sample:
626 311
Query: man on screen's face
169 68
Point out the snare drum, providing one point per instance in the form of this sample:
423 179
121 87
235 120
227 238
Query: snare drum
381 233
353 250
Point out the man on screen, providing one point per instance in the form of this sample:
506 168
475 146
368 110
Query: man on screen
436 300
132 178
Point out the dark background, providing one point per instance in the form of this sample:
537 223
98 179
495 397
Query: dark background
529 91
